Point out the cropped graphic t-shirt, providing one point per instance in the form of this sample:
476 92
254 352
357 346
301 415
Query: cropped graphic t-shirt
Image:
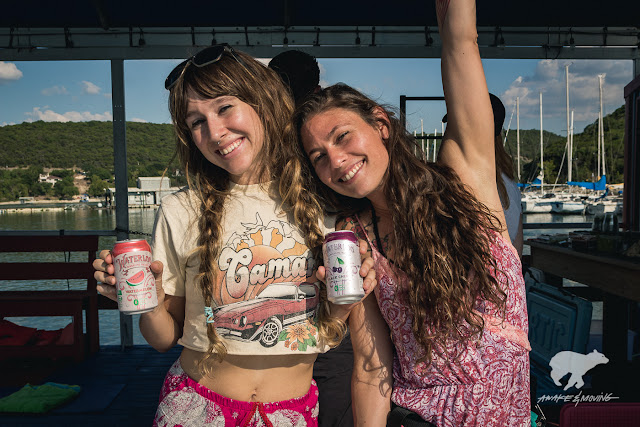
265 298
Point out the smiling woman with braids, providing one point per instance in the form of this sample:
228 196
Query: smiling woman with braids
235 255
451 297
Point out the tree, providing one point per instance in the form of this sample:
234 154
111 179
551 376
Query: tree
63 173
101 173
42 189
65 188
97 187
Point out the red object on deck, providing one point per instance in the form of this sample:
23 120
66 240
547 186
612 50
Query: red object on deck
600 414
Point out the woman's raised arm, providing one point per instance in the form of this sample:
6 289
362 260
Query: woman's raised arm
468 141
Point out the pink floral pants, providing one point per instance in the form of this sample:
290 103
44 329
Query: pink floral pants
185 403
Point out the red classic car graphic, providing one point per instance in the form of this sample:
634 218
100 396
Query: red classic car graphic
264 317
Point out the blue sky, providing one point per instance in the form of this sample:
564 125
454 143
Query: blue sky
81 90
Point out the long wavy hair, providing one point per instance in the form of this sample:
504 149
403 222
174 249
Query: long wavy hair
440 236
262 89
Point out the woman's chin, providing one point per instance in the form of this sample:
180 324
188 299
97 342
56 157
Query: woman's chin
354 193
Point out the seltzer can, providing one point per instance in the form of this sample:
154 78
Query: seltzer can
342 265
135 284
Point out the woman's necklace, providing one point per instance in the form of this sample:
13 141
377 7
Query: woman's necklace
374 220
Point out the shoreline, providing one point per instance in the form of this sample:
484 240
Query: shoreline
60 205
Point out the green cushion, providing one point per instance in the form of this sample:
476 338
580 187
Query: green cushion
38 399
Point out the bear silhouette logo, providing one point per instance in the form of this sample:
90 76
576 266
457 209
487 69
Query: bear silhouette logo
577 364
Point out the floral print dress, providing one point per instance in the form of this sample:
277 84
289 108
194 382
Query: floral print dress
487 384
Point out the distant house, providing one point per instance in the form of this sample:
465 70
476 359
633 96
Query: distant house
49 179
154 183
149 191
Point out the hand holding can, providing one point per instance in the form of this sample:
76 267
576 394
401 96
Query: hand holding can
342 266
135 283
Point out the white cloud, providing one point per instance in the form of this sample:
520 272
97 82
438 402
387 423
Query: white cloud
55 90
9 71
137 120
549 78
107 95
323 75
70 116
90 88
7 124
547 69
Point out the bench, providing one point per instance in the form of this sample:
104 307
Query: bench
23 303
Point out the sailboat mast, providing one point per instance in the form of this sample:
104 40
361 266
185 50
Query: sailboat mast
541 150
569 148
422 141
600 76
518 133
571 144
604 170
435 140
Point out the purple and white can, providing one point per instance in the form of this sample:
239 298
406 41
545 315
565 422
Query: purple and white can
342 265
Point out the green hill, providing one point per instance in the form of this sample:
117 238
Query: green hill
28 148
584 152
85 146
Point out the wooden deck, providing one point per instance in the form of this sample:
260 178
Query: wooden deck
119 388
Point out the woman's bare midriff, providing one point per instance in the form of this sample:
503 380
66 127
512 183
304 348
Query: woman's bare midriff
253 378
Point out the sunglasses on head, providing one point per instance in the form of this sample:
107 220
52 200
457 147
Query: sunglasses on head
201 59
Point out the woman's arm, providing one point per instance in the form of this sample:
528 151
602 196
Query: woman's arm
372 364
468 141
161 327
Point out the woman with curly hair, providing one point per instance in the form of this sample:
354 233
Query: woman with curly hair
449 330
235 254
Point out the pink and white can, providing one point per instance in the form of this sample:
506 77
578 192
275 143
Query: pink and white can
135 284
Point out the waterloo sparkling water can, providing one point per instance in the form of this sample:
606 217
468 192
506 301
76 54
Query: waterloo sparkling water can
135 284
342 265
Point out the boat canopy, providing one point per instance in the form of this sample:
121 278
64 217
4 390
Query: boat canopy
601 185
535 183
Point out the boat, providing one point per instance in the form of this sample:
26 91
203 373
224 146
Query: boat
562 203
603 206
568 207
535 203
538 202
536 206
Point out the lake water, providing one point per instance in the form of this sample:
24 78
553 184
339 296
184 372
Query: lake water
141 221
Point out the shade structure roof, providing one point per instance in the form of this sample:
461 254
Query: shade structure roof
125 13
102 29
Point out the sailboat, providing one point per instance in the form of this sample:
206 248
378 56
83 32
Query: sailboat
568 204
538 202
602 203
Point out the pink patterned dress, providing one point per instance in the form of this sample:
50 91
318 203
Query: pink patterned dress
488 385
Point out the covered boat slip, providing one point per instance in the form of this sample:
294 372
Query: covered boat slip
119 31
